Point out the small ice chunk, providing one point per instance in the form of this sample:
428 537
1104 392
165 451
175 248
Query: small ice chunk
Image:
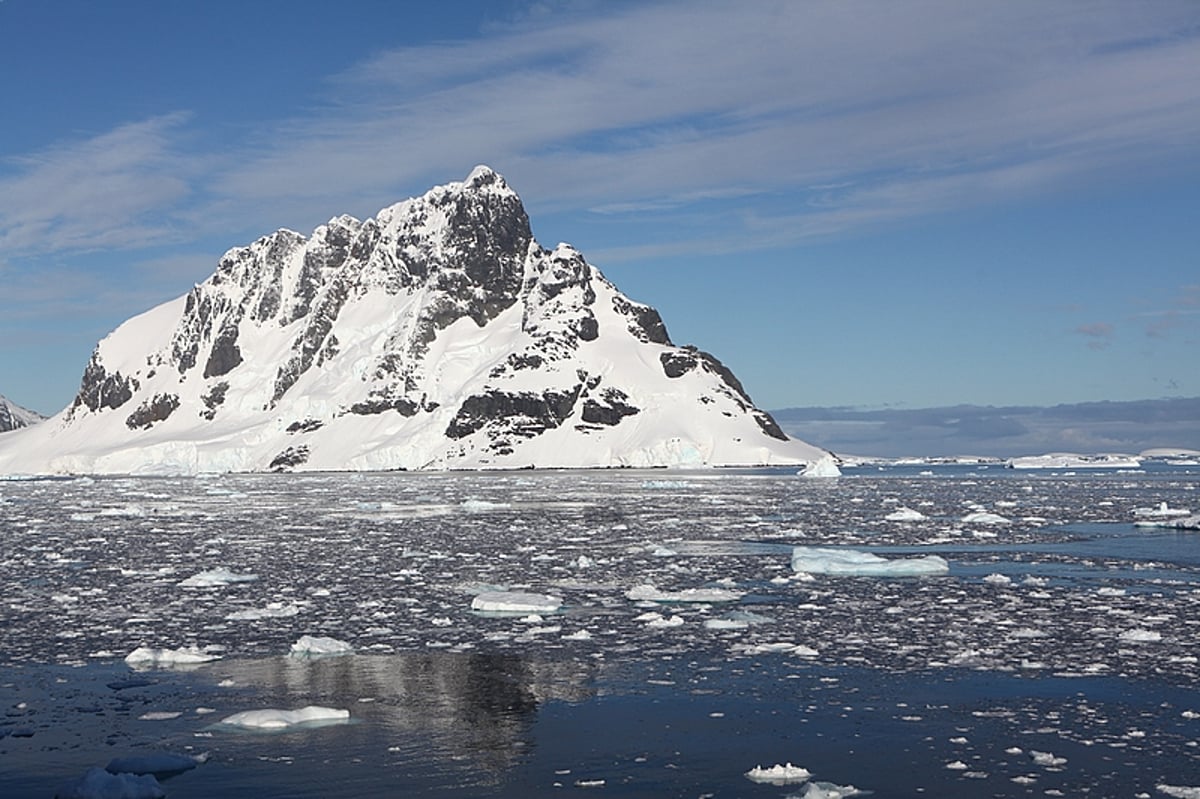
99 784
148 656
649 593
827 790
1047 759
998 579
215 578
905 515
984 517
316 646
515 602
273 610
821 560
272 719
786 774
482 506
159 763
1140 636
956 765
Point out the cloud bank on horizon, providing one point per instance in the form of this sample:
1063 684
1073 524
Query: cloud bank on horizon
850 203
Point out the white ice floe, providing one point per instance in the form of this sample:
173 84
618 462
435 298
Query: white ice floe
272 719
650 593
515 602
828 790
786 774
215 578
155 763
1047 759
777 648
1069 460
1179 791
1163 511
273 610
316 646
1140 636
823 560
905 514
99 784
482 506
148 656
826 466
985 517
998 579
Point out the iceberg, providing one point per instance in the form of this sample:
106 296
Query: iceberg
147 656
851 562
779 775
99 784
1070 460
280 719
273 610
316 646
905 515
826 466
515 602
649 593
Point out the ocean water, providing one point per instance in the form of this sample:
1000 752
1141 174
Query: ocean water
1058 656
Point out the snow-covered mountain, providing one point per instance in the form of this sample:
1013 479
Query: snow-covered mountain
438 335
13 416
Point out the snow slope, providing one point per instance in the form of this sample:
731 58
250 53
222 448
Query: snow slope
438 335
14 417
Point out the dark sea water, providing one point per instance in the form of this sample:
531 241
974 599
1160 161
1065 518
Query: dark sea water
1058 656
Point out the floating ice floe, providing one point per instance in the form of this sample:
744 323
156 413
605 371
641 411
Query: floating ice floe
905 515
272 719
650 593
777 774
99 784
273 610
1179 791
824 467
148 656
777 648
1163 511
984 517
215 578
515 602
157 763
316 646
828 790
1140 636
482 506
1177 522
851 562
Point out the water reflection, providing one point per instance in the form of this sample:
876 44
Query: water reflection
476 707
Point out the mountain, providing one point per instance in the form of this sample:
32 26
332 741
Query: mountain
13 416
438 335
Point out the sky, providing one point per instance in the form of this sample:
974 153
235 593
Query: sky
852 204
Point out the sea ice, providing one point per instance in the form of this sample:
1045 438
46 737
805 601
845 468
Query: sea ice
279 719
215 578
315 646
779 774
851 562
1179 791
827 790
1140 636
148 656
649 593
1163 511
905 515
273 610
99 784
515 602
984 517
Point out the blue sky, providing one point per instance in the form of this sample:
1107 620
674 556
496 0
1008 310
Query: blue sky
867 204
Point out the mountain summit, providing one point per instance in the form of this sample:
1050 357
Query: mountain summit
13 416
438 335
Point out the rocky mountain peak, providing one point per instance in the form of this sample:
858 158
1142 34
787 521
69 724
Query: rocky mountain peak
438 334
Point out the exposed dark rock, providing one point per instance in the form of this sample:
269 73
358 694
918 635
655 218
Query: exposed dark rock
213 399
611 410
153 410
306 426
644 321
99 389
381 404
290 457
225 355
769 425
524 414
677 363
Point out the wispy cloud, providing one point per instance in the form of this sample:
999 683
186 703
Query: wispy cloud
112 191
1099 334
896 111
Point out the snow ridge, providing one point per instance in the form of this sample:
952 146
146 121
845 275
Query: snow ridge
13 416
437 335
